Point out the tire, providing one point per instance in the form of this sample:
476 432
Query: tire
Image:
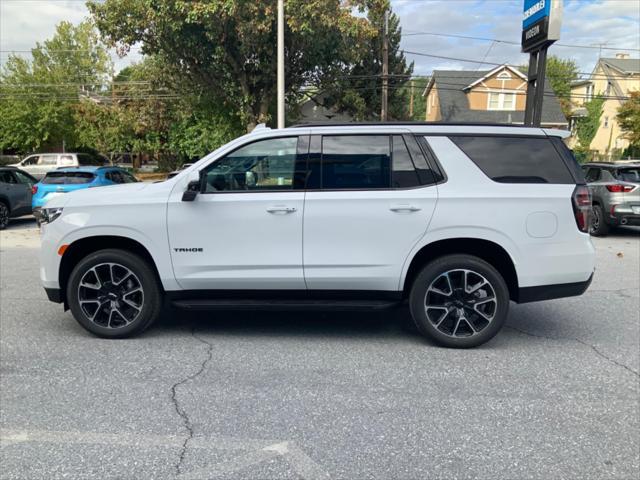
4 215
599 226
114 294
445 314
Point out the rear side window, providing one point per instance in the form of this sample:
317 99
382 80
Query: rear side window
515 159
356 162
628 174
68 178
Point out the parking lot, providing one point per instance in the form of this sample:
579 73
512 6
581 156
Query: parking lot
322 395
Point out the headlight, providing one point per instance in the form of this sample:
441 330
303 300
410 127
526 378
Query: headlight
48 215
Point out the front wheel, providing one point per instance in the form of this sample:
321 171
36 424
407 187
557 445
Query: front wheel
459 301
114 294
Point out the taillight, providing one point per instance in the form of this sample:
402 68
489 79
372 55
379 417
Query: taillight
581 201
617 188
34 189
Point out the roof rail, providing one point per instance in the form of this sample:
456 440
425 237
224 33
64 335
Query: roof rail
401 123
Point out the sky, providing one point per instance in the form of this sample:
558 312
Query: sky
587 23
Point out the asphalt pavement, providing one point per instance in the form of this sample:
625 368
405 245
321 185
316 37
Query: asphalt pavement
334 395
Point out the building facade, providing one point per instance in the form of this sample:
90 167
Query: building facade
614 79
495 96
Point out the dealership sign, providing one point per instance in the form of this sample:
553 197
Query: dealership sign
540 23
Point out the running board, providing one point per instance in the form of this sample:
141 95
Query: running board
296 304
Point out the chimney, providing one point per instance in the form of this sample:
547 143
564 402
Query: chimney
622 55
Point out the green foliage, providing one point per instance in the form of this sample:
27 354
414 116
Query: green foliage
419 102
587 126
629 119
227 49
561 73
38 95
359 89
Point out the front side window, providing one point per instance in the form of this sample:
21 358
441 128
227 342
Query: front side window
33 160
260 166
356 162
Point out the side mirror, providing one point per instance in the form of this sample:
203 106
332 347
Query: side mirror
190 194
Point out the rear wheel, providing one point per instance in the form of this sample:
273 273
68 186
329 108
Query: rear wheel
4 216
459 301
598 226
114 294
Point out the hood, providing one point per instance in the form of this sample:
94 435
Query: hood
104 195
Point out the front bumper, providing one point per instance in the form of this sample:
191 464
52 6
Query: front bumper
549 292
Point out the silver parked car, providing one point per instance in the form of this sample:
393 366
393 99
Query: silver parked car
40 164
615 189
15 194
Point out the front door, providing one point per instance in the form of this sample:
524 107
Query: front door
366 208
244 231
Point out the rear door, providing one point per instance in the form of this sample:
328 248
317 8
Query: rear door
365 209
46 163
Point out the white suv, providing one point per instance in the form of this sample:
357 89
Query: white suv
458 220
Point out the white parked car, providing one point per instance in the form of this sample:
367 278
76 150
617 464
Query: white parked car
39 164
457 220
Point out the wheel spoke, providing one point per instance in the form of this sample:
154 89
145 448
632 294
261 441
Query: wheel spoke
442 292
131 304
470 325
442 317
455 330
135 290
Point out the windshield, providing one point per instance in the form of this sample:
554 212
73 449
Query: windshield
73 178
629 174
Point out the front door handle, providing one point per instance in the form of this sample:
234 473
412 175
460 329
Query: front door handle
281 209
404 208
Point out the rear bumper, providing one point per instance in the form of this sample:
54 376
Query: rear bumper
623 214
549 292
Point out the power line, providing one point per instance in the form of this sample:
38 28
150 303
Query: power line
510 42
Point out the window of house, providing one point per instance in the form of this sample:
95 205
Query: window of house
501 101
504 75
589 92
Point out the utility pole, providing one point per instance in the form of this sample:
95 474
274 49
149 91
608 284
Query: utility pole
411 101
384 114
280 64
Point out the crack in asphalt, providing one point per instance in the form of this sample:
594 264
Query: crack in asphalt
179 409
582 342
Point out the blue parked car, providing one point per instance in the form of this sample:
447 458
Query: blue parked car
63 180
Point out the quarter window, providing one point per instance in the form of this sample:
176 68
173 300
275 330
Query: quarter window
515 159
259 166
356 162
592 175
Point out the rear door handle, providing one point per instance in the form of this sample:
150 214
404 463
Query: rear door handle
404 208
281 209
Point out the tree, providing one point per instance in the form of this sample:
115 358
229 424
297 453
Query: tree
228 49
38 95
561 73
629 119
359 91
587 126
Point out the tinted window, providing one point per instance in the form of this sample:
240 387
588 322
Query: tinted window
6 177
26 179
62 178
592 174
356 161
264 165
628 174
404 173
515 159
86 159
128 178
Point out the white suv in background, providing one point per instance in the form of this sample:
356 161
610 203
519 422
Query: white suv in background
457 219
39 164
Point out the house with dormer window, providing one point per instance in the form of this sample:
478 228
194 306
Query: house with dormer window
494 96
